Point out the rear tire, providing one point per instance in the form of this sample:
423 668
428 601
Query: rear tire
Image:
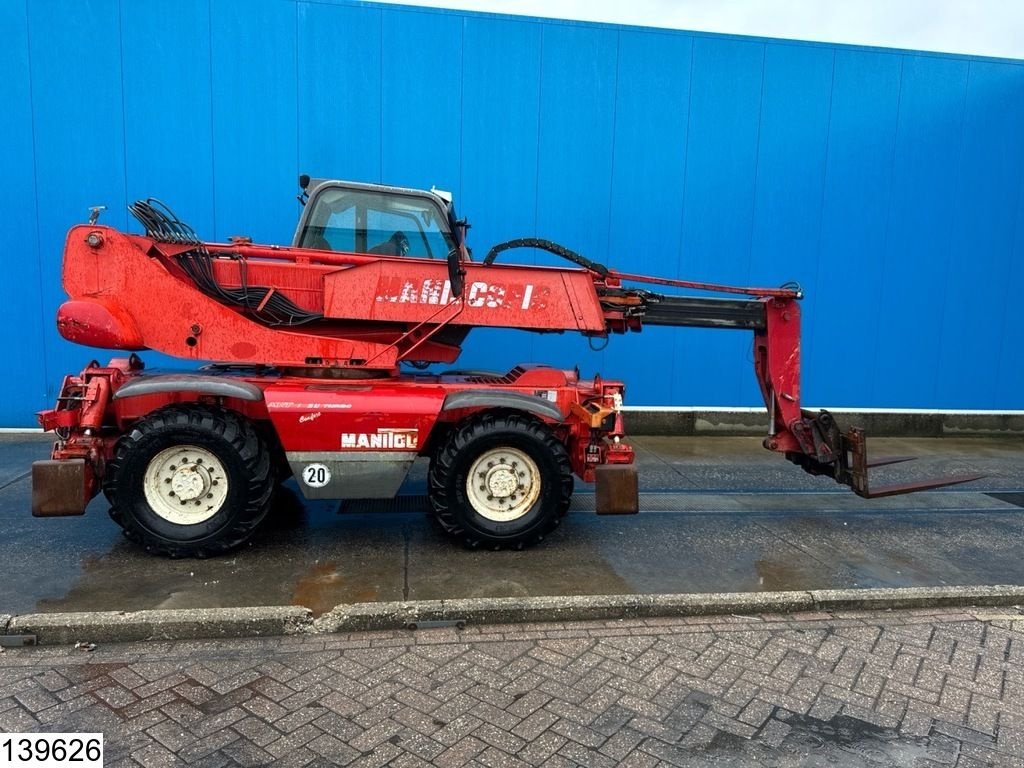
501 480
190 481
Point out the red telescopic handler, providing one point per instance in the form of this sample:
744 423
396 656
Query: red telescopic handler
308 343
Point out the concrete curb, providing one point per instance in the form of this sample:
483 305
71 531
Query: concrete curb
184 624
510 610
179 624
915 597
364 616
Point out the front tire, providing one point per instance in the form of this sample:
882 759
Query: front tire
501 481
190 481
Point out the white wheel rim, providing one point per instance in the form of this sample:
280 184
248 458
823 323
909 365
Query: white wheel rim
503 484
185 484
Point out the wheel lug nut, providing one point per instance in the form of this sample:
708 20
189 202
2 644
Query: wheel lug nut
183 502
199 461
489 464
483 487
209 495
483 475
198 502
173 467
490 498
167 479
171 493
214 482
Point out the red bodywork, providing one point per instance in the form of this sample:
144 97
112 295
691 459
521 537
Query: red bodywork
401 414
129 292
378 310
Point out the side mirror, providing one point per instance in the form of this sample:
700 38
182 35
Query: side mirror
303 196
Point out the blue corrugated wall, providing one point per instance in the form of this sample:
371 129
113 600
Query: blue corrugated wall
888 183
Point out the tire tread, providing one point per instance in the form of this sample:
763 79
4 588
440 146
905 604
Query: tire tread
459 439
240 434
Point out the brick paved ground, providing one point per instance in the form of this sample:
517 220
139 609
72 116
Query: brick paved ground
926 688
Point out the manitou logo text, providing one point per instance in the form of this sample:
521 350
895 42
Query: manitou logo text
478 293
383 440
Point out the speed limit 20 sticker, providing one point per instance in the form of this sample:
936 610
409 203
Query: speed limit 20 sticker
316 475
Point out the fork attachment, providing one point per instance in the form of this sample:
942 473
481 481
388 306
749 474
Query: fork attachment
844 457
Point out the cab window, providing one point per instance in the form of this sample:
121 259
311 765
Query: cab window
387 224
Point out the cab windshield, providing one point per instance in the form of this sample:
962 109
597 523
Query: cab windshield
376 222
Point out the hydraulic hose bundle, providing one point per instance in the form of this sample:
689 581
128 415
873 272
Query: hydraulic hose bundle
265 304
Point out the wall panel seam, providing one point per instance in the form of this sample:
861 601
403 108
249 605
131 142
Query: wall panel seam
44 395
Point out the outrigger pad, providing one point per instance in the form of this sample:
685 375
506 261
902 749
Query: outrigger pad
617 489
58 488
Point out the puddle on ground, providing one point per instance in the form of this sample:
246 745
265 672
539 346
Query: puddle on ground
323 587
779 577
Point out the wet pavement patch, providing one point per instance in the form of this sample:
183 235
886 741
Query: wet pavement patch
786 738
849 741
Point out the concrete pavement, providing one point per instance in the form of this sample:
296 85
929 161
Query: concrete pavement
718 514
924 688
931 687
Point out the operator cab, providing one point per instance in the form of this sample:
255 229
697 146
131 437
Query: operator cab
375 219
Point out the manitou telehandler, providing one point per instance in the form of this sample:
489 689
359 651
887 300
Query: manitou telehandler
307 341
